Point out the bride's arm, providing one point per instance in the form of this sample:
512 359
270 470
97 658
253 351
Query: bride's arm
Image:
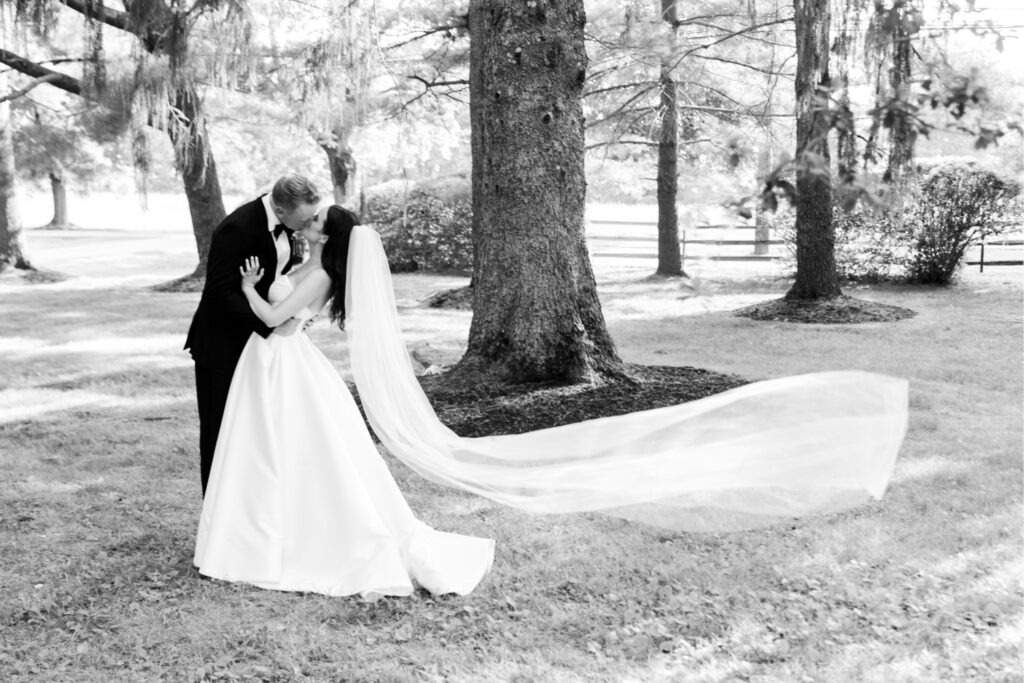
311 289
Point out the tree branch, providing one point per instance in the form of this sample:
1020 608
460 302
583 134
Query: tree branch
29 68
111 17
24 91
621 86
462 23
646 143
625 106
434 84
143 26
729 36
744 65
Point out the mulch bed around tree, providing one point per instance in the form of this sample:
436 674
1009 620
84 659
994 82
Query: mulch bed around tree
842 310
513 409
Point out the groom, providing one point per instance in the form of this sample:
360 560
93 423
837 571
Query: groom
223 321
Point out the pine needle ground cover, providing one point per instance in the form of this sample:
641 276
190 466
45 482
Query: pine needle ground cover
99 485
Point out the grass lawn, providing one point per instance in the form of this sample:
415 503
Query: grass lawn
100 491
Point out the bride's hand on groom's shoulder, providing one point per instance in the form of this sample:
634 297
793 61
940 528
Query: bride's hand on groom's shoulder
251 272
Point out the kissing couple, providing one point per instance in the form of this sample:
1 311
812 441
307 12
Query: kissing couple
297 497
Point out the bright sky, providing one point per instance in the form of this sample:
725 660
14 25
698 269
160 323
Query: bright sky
1007 17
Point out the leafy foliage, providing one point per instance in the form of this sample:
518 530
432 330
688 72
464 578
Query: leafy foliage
430 228
921 235
871 244
960 205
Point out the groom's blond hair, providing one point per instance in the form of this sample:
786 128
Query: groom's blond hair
292 190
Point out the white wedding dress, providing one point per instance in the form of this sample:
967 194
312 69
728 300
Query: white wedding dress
299 499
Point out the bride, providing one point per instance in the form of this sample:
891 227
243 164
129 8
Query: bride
299 499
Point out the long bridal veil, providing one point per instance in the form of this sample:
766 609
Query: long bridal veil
744 458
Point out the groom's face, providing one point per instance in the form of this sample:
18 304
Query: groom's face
300 217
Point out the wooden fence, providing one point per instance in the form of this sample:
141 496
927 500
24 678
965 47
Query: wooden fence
981 262
685 240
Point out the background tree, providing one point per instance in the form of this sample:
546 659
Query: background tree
164 91
11 251
679 85
64 140
816 275
536 315
669 253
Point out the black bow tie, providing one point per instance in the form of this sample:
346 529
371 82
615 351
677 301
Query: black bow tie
278 229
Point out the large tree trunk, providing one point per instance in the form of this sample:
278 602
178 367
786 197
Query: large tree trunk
11 253
60 197
198 173
901 134
669 255
816 276
536 315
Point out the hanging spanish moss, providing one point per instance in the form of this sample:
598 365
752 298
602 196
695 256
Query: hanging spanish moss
40 15
888 53
332 83
94 69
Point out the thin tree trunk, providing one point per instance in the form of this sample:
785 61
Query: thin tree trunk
60 196
12 254
763 219
816 275
669 254
846 140
198 173
902 136
536 315
342 163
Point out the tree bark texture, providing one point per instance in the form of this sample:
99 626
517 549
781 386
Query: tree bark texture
669 254
11 252
816 276
536 315
198 171
341 161
60 196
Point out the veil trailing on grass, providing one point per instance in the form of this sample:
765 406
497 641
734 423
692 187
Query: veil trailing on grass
744 458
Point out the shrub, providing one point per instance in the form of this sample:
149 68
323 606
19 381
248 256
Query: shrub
923 234
871 244
428 229
960 204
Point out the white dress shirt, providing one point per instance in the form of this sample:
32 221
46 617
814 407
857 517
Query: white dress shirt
284 247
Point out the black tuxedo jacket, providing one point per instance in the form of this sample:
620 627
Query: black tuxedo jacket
223 321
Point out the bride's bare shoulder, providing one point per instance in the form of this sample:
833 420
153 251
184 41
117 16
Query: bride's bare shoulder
307 270
315 275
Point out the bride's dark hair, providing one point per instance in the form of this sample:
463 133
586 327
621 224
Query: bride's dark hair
338 226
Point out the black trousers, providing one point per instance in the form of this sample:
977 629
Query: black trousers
212 395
